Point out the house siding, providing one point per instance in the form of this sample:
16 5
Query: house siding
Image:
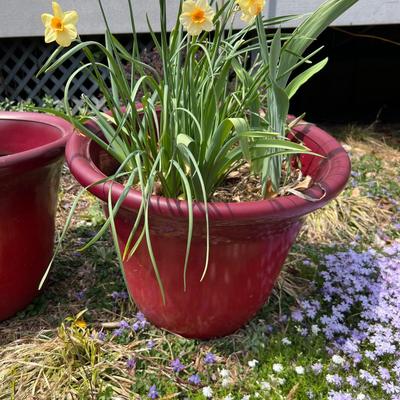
21 18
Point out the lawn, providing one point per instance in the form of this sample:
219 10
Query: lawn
331 329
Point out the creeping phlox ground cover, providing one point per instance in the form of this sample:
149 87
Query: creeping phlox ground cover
330 331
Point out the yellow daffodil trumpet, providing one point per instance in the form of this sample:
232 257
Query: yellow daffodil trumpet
197 16
60 27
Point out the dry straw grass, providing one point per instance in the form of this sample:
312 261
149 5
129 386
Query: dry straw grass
72 363
343 219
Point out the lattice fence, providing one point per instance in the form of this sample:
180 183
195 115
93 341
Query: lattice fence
21 59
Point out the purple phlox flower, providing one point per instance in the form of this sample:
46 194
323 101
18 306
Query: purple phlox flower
177 366
124 325
317 368
333 395
283 318
370 354
150 344
119 295
115 295
153 394
357 358
334 379
351 380
118 332
297 315
384 373
304 332
140 317
99 336
390 388
346 366
194 379
210 358
80 295
396 368
140 323
131 363
269 328
366 376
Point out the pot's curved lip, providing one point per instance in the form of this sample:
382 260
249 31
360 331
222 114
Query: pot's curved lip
57 146
335 171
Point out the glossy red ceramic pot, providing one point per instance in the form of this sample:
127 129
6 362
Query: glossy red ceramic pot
249 241
31 155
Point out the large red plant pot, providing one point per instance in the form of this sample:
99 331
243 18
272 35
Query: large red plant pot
249 241
31 155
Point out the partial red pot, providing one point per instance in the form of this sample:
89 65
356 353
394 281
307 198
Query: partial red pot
249 241
31 155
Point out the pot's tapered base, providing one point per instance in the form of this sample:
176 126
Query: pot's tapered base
243 267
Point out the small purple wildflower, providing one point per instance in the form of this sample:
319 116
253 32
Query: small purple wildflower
118 332
140 317
334 379
150 344
209 358
177 366
80 296
119 295
303 331
130 363
297 315
101 336
141 322
194 379
153 394
352 381
317 368
384 373
124 325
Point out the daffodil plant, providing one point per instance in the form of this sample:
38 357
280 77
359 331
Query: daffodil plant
222 98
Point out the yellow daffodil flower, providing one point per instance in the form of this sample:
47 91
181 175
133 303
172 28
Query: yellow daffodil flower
60 27
250 9
80 323
197 16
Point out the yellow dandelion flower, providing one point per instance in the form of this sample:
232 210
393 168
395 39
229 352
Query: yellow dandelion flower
250 9
80 323
197 16
60 27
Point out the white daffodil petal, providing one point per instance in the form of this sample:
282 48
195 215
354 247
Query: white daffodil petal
188 6
71 30
49 35
57 10
64 38
208 25
70 17
46 19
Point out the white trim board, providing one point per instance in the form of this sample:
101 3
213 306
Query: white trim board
21 18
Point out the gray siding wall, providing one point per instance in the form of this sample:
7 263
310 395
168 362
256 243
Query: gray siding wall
21 18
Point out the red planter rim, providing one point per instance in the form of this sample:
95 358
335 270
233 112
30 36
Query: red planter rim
333 174
54 147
